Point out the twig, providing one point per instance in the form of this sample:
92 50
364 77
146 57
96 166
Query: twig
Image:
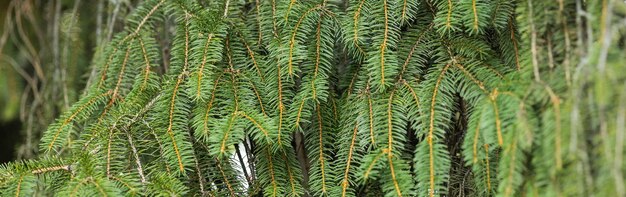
35 60
136 155
53 168
533 41
112 20
226 8
67 56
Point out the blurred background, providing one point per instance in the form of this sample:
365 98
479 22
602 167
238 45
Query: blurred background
46 47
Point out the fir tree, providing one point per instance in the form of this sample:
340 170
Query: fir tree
346 98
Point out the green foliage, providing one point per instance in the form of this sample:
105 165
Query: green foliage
346 98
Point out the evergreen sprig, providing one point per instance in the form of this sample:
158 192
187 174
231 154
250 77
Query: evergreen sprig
346 98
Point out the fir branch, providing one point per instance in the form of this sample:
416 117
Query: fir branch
371 119
514 40
170 123
345 181
354 83
79 109
383 46
293 41
147 61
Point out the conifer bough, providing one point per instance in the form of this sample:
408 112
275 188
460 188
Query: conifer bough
346 98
